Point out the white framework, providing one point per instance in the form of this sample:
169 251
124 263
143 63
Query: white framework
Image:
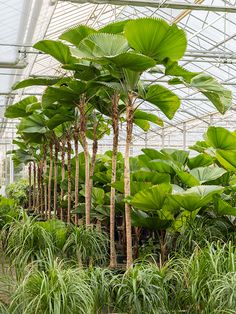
210 27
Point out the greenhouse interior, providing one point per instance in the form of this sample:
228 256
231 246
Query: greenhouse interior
118 156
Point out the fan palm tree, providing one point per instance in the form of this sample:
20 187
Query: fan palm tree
125 51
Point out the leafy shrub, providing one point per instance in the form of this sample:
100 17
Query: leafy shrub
140 290
58 231
203 230
19 192
87 246
99 282
53 289
204 278
25 240
8 210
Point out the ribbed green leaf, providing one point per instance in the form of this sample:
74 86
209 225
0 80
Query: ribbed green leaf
139 114
177 155
135 186
18 109
101 45
149 176
204 174
57 50
114 28
58 119
152 198
224 208
143 124
32 107
74 35
164 99
160 166
214 91
32 124
220 138
196 197
227 159
59 94
35 81
156 38
187 178
133 61
152 153
173 69
200 161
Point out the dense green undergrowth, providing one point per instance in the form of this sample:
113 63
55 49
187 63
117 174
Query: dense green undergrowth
55 268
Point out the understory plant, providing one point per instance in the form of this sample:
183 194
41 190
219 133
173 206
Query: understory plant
8 210
87 246
140 290
18 191
52 288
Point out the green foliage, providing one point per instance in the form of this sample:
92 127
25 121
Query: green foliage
156 38
204 278
24 241
140 290
8 210
54 288
18 191
87 246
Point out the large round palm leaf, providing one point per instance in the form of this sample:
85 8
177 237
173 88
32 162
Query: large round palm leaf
101 45
156 38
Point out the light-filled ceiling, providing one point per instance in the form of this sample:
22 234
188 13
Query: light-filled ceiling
211 48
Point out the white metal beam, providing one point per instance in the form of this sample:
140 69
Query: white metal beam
159 4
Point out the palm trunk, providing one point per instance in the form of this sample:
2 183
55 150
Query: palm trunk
50 181
93 162
39 188
55 179
86 157
34 186
62 174
76 138
45 182
30 185
127 192
69 178
115 126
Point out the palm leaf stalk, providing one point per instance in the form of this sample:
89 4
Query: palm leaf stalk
50 179
56 149
63 143
30 184
115 127
69 177
76 142
83 126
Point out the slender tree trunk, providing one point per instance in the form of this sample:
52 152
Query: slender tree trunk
39 187
76 139
69 178
34 186
83 123
55 179
45 182
129 129
115 126
30 185
62 174
50 181
93 162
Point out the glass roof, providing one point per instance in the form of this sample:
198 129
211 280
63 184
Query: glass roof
211 48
